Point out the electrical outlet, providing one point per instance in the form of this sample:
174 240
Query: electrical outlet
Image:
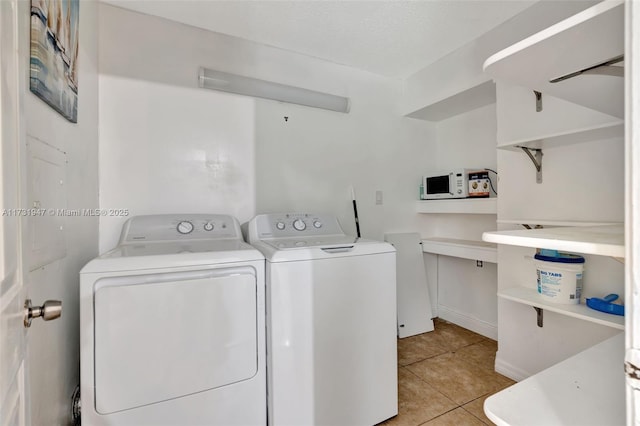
379 197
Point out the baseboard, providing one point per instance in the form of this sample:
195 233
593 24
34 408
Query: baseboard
506 369
481 327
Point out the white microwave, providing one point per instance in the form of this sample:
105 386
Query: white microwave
452 184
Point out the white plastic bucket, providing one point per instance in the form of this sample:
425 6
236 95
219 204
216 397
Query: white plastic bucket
560 278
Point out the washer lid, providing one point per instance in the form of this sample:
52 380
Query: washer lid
335 247
170 254
311 241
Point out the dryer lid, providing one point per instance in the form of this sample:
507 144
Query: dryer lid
176 247
172 254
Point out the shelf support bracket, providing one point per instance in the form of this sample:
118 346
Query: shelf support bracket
540 313
538 100
537 160
603 68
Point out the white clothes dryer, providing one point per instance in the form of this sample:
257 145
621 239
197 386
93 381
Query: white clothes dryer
331 322
172 326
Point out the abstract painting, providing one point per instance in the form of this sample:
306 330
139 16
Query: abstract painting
54 54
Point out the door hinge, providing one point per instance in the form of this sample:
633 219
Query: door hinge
632 368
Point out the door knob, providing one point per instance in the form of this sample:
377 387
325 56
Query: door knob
50 310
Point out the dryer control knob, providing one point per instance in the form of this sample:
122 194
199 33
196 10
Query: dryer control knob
299 225
208 226
317 224
185 227
280 225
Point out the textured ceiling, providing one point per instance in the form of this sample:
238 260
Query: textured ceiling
391 38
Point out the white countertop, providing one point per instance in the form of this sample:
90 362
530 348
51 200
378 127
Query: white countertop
586 389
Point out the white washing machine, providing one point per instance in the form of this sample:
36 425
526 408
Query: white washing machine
172 326
331 322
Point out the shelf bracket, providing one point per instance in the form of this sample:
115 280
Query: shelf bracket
603 68
527 226
538 100
540 313
537 160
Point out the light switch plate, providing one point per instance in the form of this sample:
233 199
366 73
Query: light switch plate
379 197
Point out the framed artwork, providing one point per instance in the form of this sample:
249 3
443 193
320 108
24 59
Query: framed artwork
54 54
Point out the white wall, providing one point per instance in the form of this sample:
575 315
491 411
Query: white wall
466 293
168 146
53 358
309 162
582 182
168 149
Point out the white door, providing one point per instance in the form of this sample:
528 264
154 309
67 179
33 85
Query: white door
12 332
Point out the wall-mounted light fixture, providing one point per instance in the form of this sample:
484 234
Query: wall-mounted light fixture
232 83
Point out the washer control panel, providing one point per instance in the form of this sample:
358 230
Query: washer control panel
168 227
288 225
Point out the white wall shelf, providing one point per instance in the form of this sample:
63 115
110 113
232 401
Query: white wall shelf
457 103
465 249
461 206
600 132
599 240
586 389
529 296
544 222
588 38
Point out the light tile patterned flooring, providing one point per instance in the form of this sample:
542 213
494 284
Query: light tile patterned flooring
444 377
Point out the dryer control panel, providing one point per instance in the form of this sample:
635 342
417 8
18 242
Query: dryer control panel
291 225
180 227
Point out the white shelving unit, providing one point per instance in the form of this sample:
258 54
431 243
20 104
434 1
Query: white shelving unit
465 249
563 52
605 240
459 206
529 296
601 132
588 38
598 240
457 103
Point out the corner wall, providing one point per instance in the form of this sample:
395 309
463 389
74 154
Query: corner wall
466 292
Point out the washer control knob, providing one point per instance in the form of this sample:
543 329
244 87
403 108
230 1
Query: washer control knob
459 191
299 225
185 227
208 226
280 225
317 224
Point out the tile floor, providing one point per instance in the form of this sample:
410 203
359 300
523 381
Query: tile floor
444 377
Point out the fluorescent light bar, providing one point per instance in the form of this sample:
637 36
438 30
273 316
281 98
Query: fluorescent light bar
225 82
